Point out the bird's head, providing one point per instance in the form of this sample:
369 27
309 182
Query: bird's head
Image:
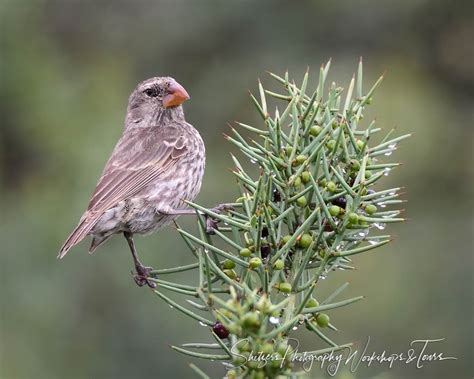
155 99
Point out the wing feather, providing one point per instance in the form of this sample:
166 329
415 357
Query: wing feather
135 163
139 158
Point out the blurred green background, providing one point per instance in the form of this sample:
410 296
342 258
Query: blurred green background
67 68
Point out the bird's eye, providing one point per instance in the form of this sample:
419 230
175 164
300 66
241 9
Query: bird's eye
151 92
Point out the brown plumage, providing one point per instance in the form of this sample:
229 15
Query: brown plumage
157 163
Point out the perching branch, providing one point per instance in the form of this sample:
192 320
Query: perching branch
316 202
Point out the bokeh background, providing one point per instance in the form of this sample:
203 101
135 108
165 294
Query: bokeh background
67 68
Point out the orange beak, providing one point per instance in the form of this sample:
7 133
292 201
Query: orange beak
177 95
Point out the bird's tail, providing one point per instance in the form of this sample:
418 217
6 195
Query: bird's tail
77 235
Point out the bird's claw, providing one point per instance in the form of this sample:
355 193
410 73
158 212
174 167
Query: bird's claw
222 208
211 224
142 276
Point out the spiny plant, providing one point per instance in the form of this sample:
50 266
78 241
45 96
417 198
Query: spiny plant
312 206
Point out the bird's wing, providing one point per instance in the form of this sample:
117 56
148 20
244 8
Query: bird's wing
136 161
139 158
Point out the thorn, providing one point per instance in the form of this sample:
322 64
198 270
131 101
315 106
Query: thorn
360 59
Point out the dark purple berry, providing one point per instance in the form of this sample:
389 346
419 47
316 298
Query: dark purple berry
265 250
327 226
276 196
370 192
340 202
220 330
264 232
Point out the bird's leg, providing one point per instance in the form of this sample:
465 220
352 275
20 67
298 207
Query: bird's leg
211 224
141 277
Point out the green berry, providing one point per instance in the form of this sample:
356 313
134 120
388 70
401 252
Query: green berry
250 319
331 144
245 252
288 150
301 201
228 264
230 273
301 158
285 239
353 218
355 165
279 264
255 263
297 182
323 182
305 241
231 374
334 210
360 144
305 177
244 346
260 374
266 348
322 320
331 186
285 287
312 303
240 359
315 130
263 305
322 253
276 363
368 174
282 348
370 209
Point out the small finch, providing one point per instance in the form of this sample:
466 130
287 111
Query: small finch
156 165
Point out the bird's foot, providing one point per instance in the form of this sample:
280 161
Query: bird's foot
211 224
142 276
